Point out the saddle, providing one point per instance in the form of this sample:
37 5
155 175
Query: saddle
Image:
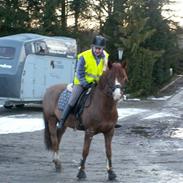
80 104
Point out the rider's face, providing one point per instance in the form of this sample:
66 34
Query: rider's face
98 51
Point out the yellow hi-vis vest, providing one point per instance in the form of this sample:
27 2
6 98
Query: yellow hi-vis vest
92 70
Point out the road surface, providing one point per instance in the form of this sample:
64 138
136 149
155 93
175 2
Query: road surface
147 148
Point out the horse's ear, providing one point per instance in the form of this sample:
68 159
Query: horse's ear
124 64
109 64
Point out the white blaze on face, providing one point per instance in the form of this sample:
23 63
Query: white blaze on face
117 92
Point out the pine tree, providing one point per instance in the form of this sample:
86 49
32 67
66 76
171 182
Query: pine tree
164 39
133 34
115 19
13 17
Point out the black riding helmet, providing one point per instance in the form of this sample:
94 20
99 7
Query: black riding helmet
99 41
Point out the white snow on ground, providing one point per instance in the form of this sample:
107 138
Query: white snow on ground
178 133
24 123
161 114
18 125
134 99
159 98
125 112
151 98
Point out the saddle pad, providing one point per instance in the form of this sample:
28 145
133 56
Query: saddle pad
64 99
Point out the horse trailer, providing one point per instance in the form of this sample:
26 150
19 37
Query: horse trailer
30 63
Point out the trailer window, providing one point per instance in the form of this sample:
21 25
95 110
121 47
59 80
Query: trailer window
7 52
28 48
61 47
40 48
56 48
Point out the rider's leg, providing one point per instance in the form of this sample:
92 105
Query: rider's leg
76 92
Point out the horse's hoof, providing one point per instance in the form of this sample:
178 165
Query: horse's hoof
58 166
81 174
111 175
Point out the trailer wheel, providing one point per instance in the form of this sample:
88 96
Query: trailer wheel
19 105
8 106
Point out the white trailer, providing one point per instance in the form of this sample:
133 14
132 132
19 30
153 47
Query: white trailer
30 63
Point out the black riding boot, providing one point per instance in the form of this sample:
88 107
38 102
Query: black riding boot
65 114
117 126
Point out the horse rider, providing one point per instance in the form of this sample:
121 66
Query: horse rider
90 66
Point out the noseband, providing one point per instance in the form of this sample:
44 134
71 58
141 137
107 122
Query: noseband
116 86
112 88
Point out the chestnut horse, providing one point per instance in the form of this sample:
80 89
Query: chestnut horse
99 117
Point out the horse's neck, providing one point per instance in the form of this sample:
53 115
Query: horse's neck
103 100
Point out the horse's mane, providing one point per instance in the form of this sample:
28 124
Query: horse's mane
104 79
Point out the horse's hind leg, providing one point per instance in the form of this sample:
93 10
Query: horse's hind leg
87 141
108 140
55 139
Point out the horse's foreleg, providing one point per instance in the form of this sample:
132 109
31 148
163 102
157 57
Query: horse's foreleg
108 140
87 141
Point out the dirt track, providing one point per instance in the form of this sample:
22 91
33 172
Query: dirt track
23 158
143 150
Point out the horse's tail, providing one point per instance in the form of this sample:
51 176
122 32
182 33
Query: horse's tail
47 138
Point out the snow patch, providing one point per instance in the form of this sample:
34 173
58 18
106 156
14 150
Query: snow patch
159 98
160 115
124 112
19 125
178 133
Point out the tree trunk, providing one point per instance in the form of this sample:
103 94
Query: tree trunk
63 15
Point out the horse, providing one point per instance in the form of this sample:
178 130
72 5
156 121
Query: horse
99 117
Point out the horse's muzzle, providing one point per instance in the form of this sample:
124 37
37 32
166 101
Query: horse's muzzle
117 92
117 86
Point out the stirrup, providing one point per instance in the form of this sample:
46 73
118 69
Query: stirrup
60 124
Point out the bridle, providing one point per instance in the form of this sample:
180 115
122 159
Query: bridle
116 86
112 88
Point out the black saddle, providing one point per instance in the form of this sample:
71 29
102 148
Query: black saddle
81 104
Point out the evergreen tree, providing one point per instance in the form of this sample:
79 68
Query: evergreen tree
115 19
79 7
164 39
133 32
13 17
48 17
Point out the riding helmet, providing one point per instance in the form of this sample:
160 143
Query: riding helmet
99 41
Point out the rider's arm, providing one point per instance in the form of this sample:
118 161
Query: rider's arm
80 71
105 63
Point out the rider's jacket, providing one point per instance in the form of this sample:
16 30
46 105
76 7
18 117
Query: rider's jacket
92 70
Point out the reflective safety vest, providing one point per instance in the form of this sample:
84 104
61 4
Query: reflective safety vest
92 70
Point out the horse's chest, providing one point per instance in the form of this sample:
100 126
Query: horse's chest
104 118
107 123
110 116
100 119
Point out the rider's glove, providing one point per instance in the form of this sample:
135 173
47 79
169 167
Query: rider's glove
87 85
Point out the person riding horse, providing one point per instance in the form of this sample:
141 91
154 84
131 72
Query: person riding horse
90 66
